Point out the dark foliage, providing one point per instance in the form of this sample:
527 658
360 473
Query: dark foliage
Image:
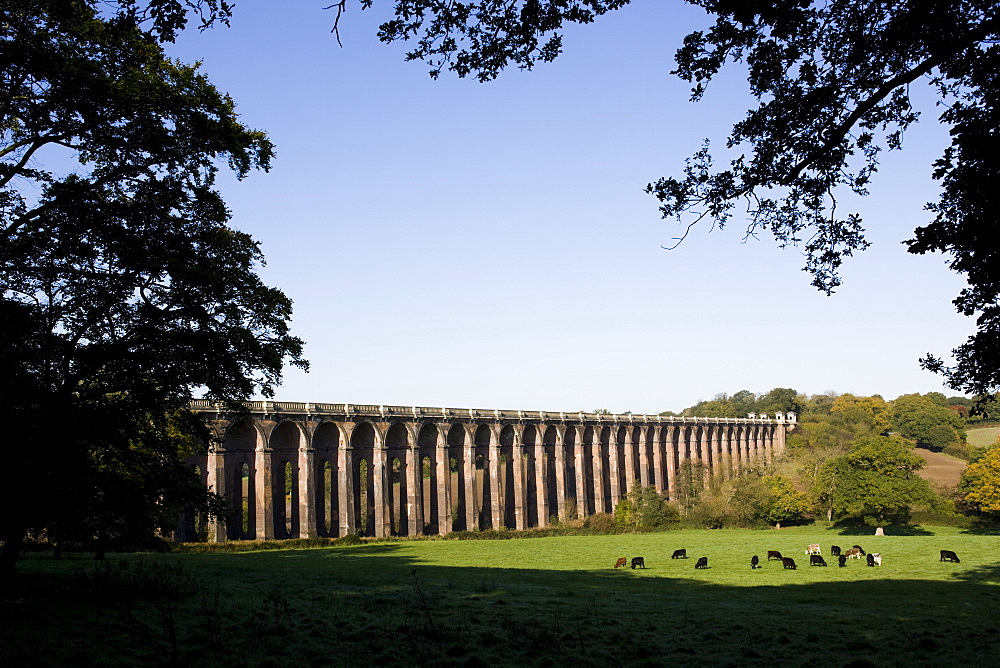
122 288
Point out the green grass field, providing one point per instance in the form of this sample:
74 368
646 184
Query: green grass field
544 601
982 436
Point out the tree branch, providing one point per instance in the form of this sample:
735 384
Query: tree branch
902 79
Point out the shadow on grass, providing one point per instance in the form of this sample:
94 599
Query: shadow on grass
982 528
891 530
984 574
377 604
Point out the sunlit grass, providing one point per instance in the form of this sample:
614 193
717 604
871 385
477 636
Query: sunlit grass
982 436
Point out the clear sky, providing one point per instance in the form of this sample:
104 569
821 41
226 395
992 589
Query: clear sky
451 243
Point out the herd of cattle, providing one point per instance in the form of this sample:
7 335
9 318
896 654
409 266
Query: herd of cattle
813 551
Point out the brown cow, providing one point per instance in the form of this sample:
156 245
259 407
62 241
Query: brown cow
853 553
638 561
622 562
773 554
702 562
948 555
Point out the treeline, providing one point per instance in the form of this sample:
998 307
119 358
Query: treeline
849 459
931 420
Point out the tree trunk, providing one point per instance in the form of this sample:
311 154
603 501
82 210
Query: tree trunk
9 553
879 531
100 547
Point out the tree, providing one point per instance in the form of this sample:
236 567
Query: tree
926 421
743 402
719 406
833 81
783 502
644 509
689 484
780 400
980 482
863 415
123 288
876 481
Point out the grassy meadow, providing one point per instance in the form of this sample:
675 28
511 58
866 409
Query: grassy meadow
983 436
541 601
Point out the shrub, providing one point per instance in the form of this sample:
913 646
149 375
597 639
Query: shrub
957 450
643 509
601 523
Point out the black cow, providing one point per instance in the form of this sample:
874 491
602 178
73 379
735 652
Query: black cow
774 554
702 562
679 554
754 562
948 555
858 548
871 559
834 550
842 560
816 560
638 561
788 563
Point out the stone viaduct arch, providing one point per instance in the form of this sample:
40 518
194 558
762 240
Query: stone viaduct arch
295 470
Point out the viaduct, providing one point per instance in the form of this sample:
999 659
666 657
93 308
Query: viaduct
296 470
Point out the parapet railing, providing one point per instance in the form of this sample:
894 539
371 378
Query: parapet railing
383 411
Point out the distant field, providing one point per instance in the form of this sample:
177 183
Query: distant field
941 468
543 601
983 436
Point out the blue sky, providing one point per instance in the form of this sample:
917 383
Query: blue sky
451 243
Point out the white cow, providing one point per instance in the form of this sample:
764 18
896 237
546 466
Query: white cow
813 549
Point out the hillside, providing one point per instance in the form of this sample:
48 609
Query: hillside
983 435
941 469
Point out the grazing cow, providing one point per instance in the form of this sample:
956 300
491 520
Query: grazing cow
834 550
774 554
702 562
858 548
948 555
788 563
679 554
816 560
871 559
754 562
842 561
622 562
638 561
813 549
853 553
876 557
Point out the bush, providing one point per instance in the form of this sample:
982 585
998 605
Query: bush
957 450
601 523
643 509
937 518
